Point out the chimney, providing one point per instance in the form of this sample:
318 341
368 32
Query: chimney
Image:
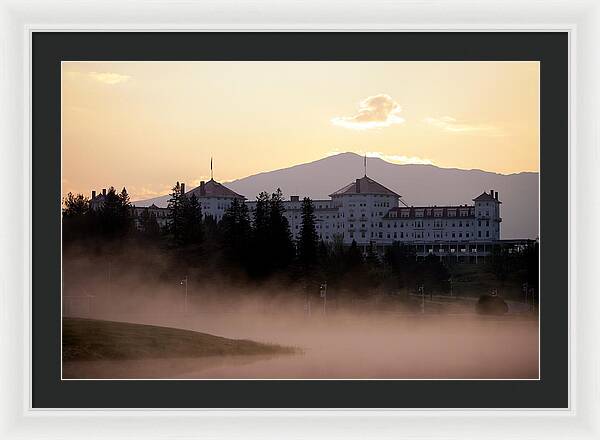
202 189
93 194
357 185
492 192
103 191
496 195
182 188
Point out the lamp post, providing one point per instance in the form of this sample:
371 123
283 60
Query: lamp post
185 299
323 291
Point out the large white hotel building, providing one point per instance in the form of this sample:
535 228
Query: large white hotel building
367 212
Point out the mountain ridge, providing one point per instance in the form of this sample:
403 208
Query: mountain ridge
419 184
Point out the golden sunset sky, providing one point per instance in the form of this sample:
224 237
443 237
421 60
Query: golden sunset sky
145 125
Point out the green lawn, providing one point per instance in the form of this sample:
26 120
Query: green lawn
90 339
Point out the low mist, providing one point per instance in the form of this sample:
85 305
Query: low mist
350 338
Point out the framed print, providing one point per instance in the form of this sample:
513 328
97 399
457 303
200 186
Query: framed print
303 224
352 290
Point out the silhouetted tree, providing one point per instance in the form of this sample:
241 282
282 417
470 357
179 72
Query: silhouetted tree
115 214
75 205
502 263
354 257
175 216
400 261
149 224
261 261
432 274
190 220
236 231
308 239
280 244
78 221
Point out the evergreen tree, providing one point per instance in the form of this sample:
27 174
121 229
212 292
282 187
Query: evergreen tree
502 263
432 274
190 220
235 231
308 240
354 257
174 219
261 263
400 260
75 205
149 223
281 244
115 214
77 219
372 258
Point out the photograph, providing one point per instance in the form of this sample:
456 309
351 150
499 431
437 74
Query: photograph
300 220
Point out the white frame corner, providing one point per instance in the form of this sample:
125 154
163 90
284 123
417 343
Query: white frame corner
18 19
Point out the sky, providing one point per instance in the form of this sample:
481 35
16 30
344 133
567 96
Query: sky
146 125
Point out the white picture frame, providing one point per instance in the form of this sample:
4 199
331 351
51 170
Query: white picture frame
18 19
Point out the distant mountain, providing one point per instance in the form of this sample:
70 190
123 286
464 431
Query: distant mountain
418 185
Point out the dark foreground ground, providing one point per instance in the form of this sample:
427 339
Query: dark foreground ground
98 340
343 346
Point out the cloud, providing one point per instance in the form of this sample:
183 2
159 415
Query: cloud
400 159
452 125
393 158
148 192
376 111
110 78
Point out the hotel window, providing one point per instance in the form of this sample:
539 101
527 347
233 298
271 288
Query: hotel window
479 234
487 233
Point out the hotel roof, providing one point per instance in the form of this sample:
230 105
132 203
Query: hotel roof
485 197
212 188
364 185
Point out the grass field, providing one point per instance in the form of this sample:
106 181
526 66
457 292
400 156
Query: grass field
90 339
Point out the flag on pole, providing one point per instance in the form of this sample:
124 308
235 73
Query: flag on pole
211 170
365 164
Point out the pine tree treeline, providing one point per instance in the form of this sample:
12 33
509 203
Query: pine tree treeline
259 246
112 221
256 246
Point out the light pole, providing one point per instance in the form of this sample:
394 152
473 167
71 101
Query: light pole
185 299
323 291
422 290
